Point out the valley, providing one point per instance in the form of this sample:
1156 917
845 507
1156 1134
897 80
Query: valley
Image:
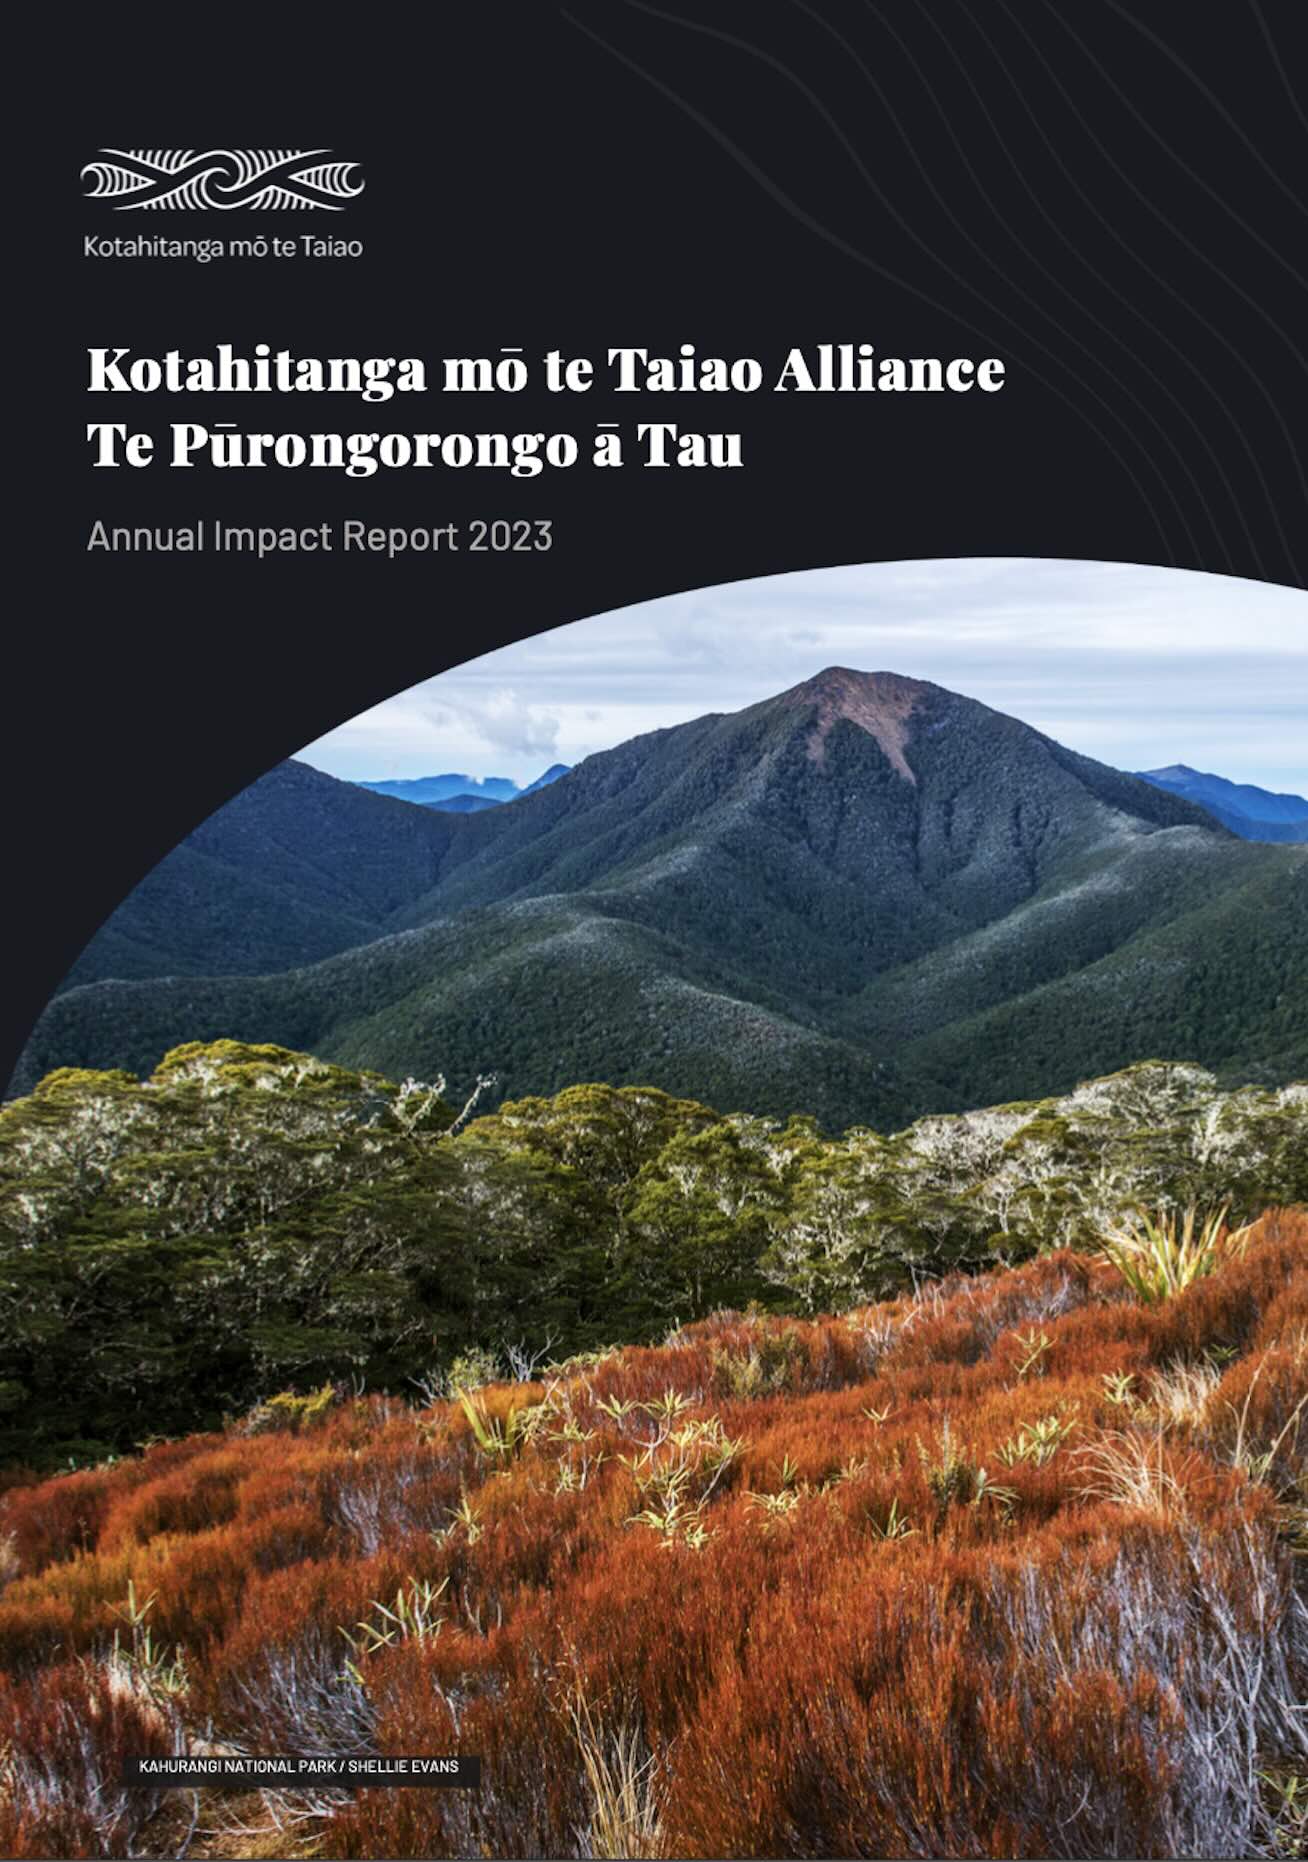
787 1237
867 898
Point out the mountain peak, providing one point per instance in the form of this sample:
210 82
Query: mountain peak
880 703
1250 812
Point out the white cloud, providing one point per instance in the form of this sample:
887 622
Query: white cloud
1136 665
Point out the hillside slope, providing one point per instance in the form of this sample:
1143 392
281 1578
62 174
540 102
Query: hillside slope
247 1213
294 868
806 904
1006 1568
1250 812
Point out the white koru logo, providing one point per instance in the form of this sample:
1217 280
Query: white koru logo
268 179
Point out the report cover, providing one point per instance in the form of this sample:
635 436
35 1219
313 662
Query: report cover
654 1152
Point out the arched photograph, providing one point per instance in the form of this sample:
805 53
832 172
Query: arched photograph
708 1207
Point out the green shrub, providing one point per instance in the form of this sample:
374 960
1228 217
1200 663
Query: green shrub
1159 1255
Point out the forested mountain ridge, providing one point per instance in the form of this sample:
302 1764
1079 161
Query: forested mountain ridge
428 789
294 868
346 866
867 897
461 792
1250 812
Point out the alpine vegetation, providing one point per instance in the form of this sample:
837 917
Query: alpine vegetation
1009 1564
249 1217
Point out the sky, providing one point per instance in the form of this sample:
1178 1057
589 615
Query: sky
1134 665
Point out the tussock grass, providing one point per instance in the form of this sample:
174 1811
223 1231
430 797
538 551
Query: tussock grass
1136 1469
622 1783
1011 1565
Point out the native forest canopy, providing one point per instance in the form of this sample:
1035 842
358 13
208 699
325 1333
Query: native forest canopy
759 1287
248 1218
867 898
1004 1561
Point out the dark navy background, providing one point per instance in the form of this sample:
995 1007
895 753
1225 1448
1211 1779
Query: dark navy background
1110 197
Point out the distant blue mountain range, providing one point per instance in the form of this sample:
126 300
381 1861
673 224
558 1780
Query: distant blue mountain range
457 794
1253 814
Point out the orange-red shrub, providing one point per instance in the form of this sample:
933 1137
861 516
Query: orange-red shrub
937 1577
67 1732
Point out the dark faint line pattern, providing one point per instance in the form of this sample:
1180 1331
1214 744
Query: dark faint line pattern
1174 57
1187 303
986 259
1121 297
1270 42
1070 111
906 226
854 252
1171 226
1100 277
